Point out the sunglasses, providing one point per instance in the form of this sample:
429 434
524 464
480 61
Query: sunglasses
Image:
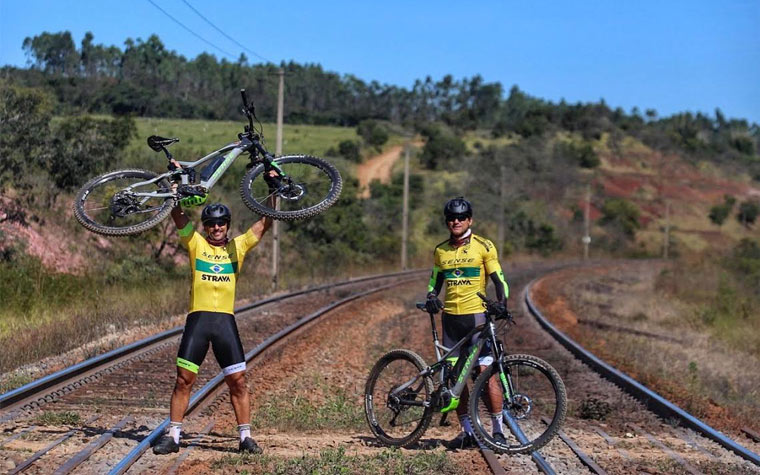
215 222
456 217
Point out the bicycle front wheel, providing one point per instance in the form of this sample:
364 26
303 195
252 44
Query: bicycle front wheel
311 185
398 418
529 416
105 206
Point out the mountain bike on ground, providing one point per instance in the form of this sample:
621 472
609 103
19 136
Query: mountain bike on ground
125 202
403 393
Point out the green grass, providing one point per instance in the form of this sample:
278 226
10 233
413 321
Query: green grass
337 461
58 418
12 381
328 408
201 137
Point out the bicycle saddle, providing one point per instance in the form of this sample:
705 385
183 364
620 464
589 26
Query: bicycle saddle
158 143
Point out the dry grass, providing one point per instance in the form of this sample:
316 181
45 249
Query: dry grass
710 369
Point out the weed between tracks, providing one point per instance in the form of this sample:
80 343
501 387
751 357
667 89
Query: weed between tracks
337 461
325 408
58 418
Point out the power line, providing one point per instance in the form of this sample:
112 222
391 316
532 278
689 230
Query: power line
191 31
225 34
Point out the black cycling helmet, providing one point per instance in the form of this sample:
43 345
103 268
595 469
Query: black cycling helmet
216 211
457 207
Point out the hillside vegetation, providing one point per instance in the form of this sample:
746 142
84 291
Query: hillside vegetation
526 164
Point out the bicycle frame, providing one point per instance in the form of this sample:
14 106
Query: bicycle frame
487 331
233 151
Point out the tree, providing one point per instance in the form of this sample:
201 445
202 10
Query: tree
440 148
53 52
582 154
24 124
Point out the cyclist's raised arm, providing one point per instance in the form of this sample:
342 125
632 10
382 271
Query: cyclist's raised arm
260 227
180 218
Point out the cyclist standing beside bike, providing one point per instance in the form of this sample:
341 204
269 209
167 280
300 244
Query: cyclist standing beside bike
215 263
462 264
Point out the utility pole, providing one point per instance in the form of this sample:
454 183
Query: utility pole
666 233
587 223
405 213
278 152
502 198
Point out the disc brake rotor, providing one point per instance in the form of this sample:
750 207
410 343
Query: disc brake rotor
521 406
122 204
292 191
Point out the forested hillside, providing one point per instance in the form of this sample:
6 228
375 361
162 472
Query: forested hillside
527 164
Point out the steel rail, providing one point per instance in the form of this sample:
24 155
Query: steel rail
653 401
199 396
61 378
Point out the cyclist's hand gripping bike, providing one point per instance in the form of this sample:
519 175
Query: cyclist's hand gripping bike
127 202
402 392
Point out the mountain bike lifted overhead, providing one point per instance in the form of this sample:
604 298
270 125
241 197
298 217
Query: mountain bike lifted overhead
125 202
516 391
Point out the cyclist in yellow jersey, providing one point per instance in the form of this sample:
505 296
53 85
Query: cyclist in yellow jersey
215 263
463 264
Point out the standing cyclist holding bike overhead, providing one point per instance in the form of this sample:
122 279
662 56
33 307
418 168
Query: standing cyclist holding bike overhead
462 264
215 263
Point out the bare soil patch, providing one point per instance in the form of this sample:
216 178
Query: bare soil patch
378 167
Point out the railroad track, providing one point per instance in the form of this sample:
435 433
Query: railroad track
653 436
118 393
120 409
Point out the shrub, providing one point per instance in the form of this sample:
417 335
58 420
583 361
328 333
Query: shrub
748 211
350 150
372 132
582 154
84 146
621 213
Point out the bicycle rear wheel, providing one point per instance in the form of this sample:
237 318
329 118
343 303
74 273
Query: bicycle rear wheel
103 205
398 418
311 186
530 417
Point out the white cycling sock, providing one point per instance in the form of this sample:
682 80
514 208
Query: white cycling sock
174 430
497 423
466 424
245 431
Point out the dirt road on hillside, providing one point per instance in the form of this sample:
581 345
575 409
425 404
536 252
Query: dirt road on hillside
379 167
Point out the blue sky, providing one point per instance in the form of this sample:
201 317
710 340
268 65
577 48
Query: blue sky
667 55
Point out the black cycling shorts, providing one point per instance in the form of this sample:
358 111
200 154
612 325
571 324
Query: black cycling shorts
219 329
456 327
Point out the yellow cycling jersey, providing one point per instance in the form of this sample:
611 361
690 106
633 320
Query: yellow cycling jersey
465 270
215 269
